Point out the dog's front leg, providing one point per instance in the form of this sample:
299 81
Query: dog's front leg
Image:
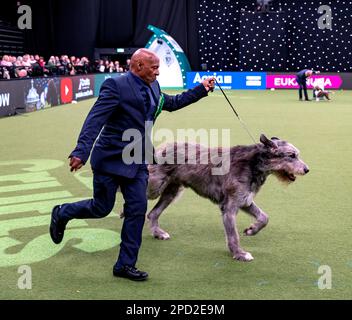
261 219
233 239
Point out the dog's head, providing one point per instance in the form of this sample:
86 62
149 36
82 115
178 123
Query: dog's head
282 159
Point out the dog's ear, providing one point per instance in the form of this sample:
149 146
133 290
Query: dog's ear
268 143
275 138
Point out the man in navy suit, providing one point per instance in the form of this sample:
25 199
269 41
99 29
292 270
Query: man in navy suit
301 79
125 103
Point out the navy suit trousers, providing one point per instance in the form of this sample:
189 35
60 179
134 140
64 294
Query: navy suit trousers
134 191
302 87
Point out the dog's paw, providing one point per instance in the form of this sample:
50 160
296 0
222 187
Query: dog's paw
250 231
161 235
243 256
164 236
254 228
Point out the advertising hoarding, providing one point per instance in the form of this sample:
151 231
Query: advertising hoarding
230 80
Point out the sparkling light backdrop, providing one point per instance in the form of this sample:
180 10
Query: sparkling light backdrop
234 37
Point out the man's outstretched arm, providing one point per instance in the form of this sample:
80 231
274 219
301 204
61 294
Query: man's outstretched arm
179 101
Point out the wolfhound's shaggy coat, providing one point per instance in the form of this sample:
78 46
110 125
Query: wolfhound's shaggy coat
242 170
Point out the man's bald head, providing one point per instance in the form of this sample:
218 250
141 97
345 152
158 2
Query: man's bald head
141 55
309 73
145 64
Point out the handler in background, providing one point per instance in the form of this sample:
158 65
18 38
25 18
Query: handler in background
301 79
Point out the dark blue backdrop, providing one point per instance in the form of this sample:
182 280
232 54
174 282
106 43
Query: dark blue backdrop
231 38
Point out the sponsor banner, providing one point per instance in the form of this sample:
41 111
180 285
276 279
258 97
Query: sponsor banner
40 93
11 97
83 87
288 81
230 80
100 78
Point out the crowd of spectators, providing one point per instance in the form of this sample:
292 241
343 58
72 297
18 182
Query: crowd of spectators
35 66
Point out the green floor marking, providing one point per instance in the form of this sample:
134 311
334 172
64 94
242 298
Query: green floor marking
41 207
35 197
42 248
30 186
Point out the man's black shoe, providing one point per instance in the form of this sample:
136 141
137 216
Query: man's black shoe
131 273
57 226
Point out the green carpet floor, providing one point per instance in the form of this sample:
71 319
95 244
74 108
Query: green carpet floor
309 228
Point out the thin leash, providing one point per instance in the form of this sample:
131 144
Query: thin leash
233 109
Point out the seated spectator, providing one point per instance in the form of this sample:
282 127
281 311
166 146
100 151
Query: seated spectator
7 67
18 62
32 59
71 69
42 66
35 66
127 66
57 61
5 62
85 65
36 70
26 61
51 62
117 66
13 60
101 66
107 65
51 66
64 61
111 67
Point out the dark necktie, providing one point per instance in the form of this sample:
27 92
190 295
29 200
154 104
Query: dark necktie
151 103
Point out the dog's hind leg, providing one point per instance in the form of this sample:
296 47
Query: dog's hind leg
229 212
261 219
168 195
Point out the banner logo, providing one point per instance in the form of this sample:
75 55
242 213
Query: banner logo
288 81
253 81
230 80
4 100
84 89
66 90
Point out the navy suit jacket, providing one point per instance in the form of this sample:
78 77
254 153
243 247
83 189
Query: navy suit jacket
119 107
301 77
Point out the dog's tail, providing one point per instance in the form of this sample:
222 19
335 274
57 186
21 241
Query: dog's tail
160 175
159 179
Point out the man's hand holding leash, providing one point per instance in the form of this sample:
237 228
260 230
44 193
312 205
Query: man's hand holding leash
209 84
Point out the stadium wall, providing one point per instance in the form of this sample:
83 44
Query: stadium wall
269 80
27 95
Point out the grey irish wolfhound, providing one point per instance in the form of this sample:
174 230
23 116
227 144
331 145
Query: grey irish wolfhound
246 169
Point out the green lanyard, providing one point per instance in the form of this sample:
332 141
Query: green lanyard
160 106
